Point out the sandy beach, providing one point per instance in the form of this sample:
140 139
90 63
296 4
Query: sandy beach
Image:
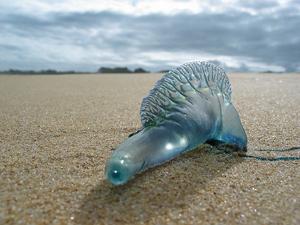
56 133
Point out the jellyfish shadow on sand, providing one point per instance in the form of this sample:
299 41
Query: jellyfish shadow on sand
157 192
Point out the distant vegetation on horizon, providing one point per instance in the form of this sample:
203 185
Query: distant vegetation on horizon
52 71
113 70
37 72
121 70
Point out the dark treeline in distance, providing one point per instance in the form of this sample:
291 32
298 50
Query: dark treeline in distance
101 70
37 72
121 70
51 71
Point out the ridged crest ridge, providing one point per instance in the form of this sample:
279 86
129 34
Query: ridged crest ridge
173 87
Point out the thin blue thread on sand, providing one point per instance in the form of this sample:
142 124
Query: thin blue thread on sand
280 158
280 150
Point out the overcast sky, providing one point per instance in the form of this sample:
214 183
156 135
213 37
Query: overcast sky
154 34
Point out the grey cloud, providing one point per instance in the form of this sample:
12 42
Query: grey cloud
259 4
266 38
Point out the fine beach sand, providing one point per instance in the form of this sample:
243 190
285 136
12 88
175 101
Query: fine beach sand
56 133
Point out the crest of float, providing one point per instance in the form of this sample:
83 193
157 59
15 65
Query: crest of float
188 106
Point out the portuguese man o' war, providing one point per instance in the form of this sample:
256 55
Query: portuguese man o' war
189 106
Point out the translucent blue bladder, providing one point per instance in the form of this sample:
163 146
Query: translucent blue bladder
189 106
